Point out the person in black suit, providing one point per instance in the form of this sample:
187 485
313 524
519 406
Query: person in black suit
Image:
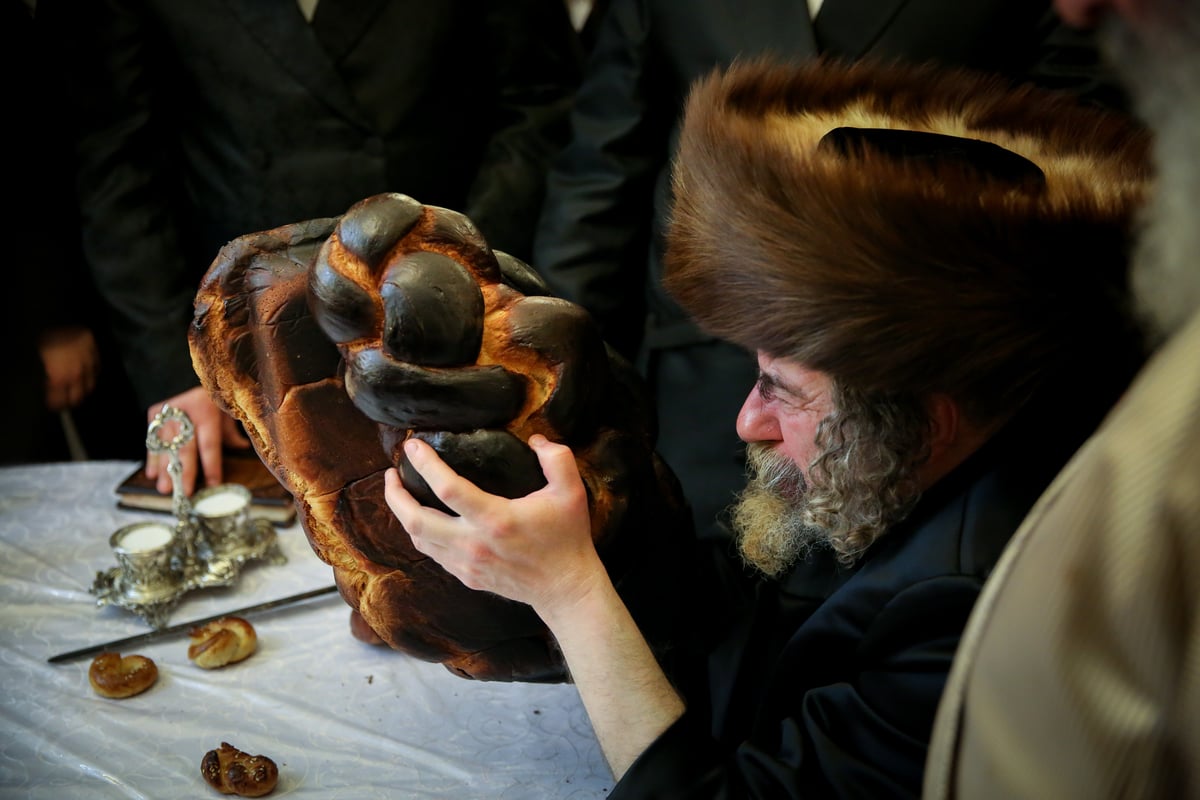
599 241
67 396
934 292
200 121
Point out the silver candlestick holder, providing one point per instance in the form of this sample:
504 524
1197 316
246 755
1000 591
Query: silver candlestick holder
212 537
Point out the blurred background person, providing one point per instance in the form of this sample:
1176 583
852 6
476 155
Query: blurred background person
600 238
67 396
199 122
1079 672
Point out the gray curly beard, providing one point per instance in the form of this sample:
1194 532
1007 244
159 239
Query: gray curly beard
1160 63
769 516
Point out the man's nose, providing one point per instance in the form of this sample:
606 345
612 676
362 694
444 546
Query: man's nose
755 422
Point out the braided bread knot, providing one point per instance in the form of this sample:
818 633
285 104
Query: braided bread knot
334 340
448 340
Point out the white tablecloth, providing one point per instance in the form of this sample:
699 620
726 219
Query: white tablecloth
341 719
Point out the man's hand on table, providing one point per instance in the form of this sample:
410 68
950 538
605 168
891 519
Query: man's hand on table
214 429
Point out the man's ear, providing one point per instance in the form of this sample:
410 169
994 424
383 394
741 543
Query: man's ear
952 437
945 420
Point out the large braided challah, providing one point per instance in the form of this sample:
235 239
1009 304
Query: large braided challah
333 340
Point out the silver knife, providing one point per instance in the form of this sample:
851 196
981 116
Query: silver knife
142 638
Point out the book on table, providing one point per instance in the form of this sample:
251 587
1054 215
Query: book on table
269 499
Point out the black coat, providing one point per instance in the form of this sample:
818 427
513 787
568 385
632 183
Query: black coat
49 288
203 120
599 239
824 684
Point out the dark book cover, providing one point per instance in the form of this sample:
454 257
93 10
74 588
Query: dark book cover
271 501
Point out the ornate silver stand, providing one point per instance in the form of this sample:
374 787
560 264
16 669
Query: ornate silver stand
157 564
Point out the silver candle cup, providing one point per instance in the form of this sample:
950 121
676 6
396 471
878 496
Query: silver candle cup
148 558
223 516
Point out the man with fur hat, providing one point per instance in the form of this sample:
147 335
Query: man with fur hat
929 266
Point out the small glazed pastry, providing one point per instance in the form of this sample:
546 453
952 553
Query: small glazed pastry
117 677
223 641
231 771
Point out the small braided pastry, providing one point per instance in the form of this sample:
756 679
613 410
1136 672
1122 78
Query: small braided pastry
220 642
231 771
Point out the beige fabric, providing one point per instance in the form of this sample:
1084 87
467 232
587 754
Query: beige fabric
1079 673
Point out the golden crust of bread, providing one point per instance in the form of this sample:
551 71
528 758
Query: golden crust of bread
334 340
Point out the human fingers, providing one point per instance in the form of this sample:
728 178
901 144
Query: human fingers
163 481
57 395
418 520
62 375
208 443
402 504
89 360
207 420
202 451
188 461
557 461
458 494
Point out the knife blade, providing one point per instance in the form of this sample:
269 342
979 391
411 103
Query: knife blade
149 636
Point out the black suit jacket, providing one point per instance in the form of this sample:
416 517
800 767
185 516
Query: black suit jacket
824 684
202 120
599 240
